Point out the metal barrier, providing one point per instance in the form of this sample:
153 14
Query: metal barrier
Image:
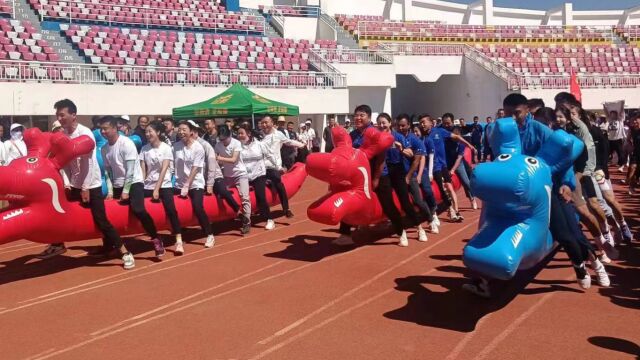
149 17
284 10
44 72
422 49
355 56
320 63
422 31
6 10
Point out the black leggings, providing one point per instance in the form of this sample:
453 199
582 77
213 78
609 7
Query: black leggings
259 186
223 192
384 191
565 230
399 185
273 176
136 203
617 146
110 237
197 204
166 196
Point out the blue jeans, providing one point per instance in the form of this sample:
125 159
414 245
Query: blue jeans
427 192
461 171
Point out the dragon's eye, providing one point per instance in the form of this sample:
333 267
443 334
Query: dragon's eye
531 161
504 157
32 160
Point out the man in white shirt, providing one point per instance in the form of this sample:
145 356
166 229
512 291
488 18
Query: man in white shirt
616 134
313 145
15 146
122 165
275 139
85 185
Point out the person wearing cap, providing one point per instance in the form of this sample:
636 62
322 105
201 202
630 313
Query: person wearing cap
143 122
235 172
313 144
189 160
347 125
15 146
85 185
327 135
212 172
56 127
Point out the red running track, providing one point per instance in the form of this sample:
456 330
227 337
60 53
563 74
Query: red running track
290 294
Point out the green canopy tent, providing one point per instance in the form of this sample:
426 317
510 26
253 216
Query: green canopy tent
236 101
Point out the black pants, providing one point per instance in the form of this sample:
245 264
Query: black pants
276 181
288 155
220 189
328 148
399 184
166 196
478 147
110 237
441 177
259 186
302 155
136 203
617 146
487 154
197 204
418 200
385 196
563 229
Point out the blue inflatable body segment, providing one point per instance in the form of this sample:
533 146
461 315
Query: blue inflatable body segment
516 193
100 142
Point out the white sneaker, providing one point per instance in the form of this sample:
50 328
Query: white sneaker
210 241
601 274
343 240
434 228
605 259
436 220
422 235
474 204
585 282
621 169
404 241
270 225
128 261
179 248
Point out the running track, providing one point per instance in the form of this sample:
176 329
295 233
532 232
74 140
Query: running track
290 294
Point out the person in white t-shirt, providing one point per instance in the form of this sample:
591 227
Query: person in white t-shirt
617 136
313 145
124 172
15 146
156 159
235 173
254 155
85 185
213 173
275 140
189 160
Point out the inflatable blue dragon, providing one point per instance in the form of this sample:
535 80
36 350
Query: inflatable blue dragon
516 194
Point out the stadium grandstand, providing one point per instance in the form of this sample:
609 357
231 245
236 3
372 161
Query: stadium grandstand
115 55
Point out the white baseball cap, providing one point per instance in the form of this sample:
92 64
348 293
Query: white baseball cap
125 118
15 126
193 123
56 125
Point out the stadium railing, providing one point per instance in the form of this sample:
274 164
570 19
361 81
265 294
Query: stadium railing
147 18
8 7
23 71
354 56
284 10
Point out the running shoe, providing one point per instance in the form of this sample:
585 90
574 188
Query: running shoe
128 261
608 238
246 228
460 217
601 274
404 241
270 225
479 287
343 240
288 214
436 220
422 235
158 247
179 248
627 236
474 204
584 279
434 228
51 251
210 241
611 251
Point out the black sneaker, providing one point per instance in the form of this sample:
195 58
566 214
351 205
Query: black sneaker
51 251
288 214
459 216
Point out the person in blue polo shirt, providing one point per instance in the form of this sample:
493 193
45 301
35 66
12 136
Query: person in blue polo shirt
425 174
440 172
412 160
362 121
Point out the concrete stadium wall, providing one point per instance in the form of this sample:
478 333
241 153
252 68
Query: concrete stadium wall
474 92
592 99
298 28
38 99
427 68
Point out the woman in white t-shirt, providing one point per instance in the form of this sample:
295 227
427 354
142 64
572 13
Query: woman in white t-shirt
188 157
156 159
234 171
254 153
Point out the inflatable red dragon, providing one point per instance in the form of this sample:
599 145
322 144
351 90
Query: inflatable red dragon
351 198
39 211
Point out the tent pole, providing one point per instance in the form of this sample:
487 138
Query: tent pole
253 120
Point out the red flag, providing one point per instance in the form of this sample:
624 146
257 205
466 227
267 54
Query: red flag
574 86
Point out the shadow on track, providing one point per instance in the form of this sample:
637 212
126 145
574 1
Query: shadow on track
615 344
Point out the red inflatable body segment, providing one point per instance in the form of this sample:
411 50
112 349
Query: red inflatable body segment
351 198
39 211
